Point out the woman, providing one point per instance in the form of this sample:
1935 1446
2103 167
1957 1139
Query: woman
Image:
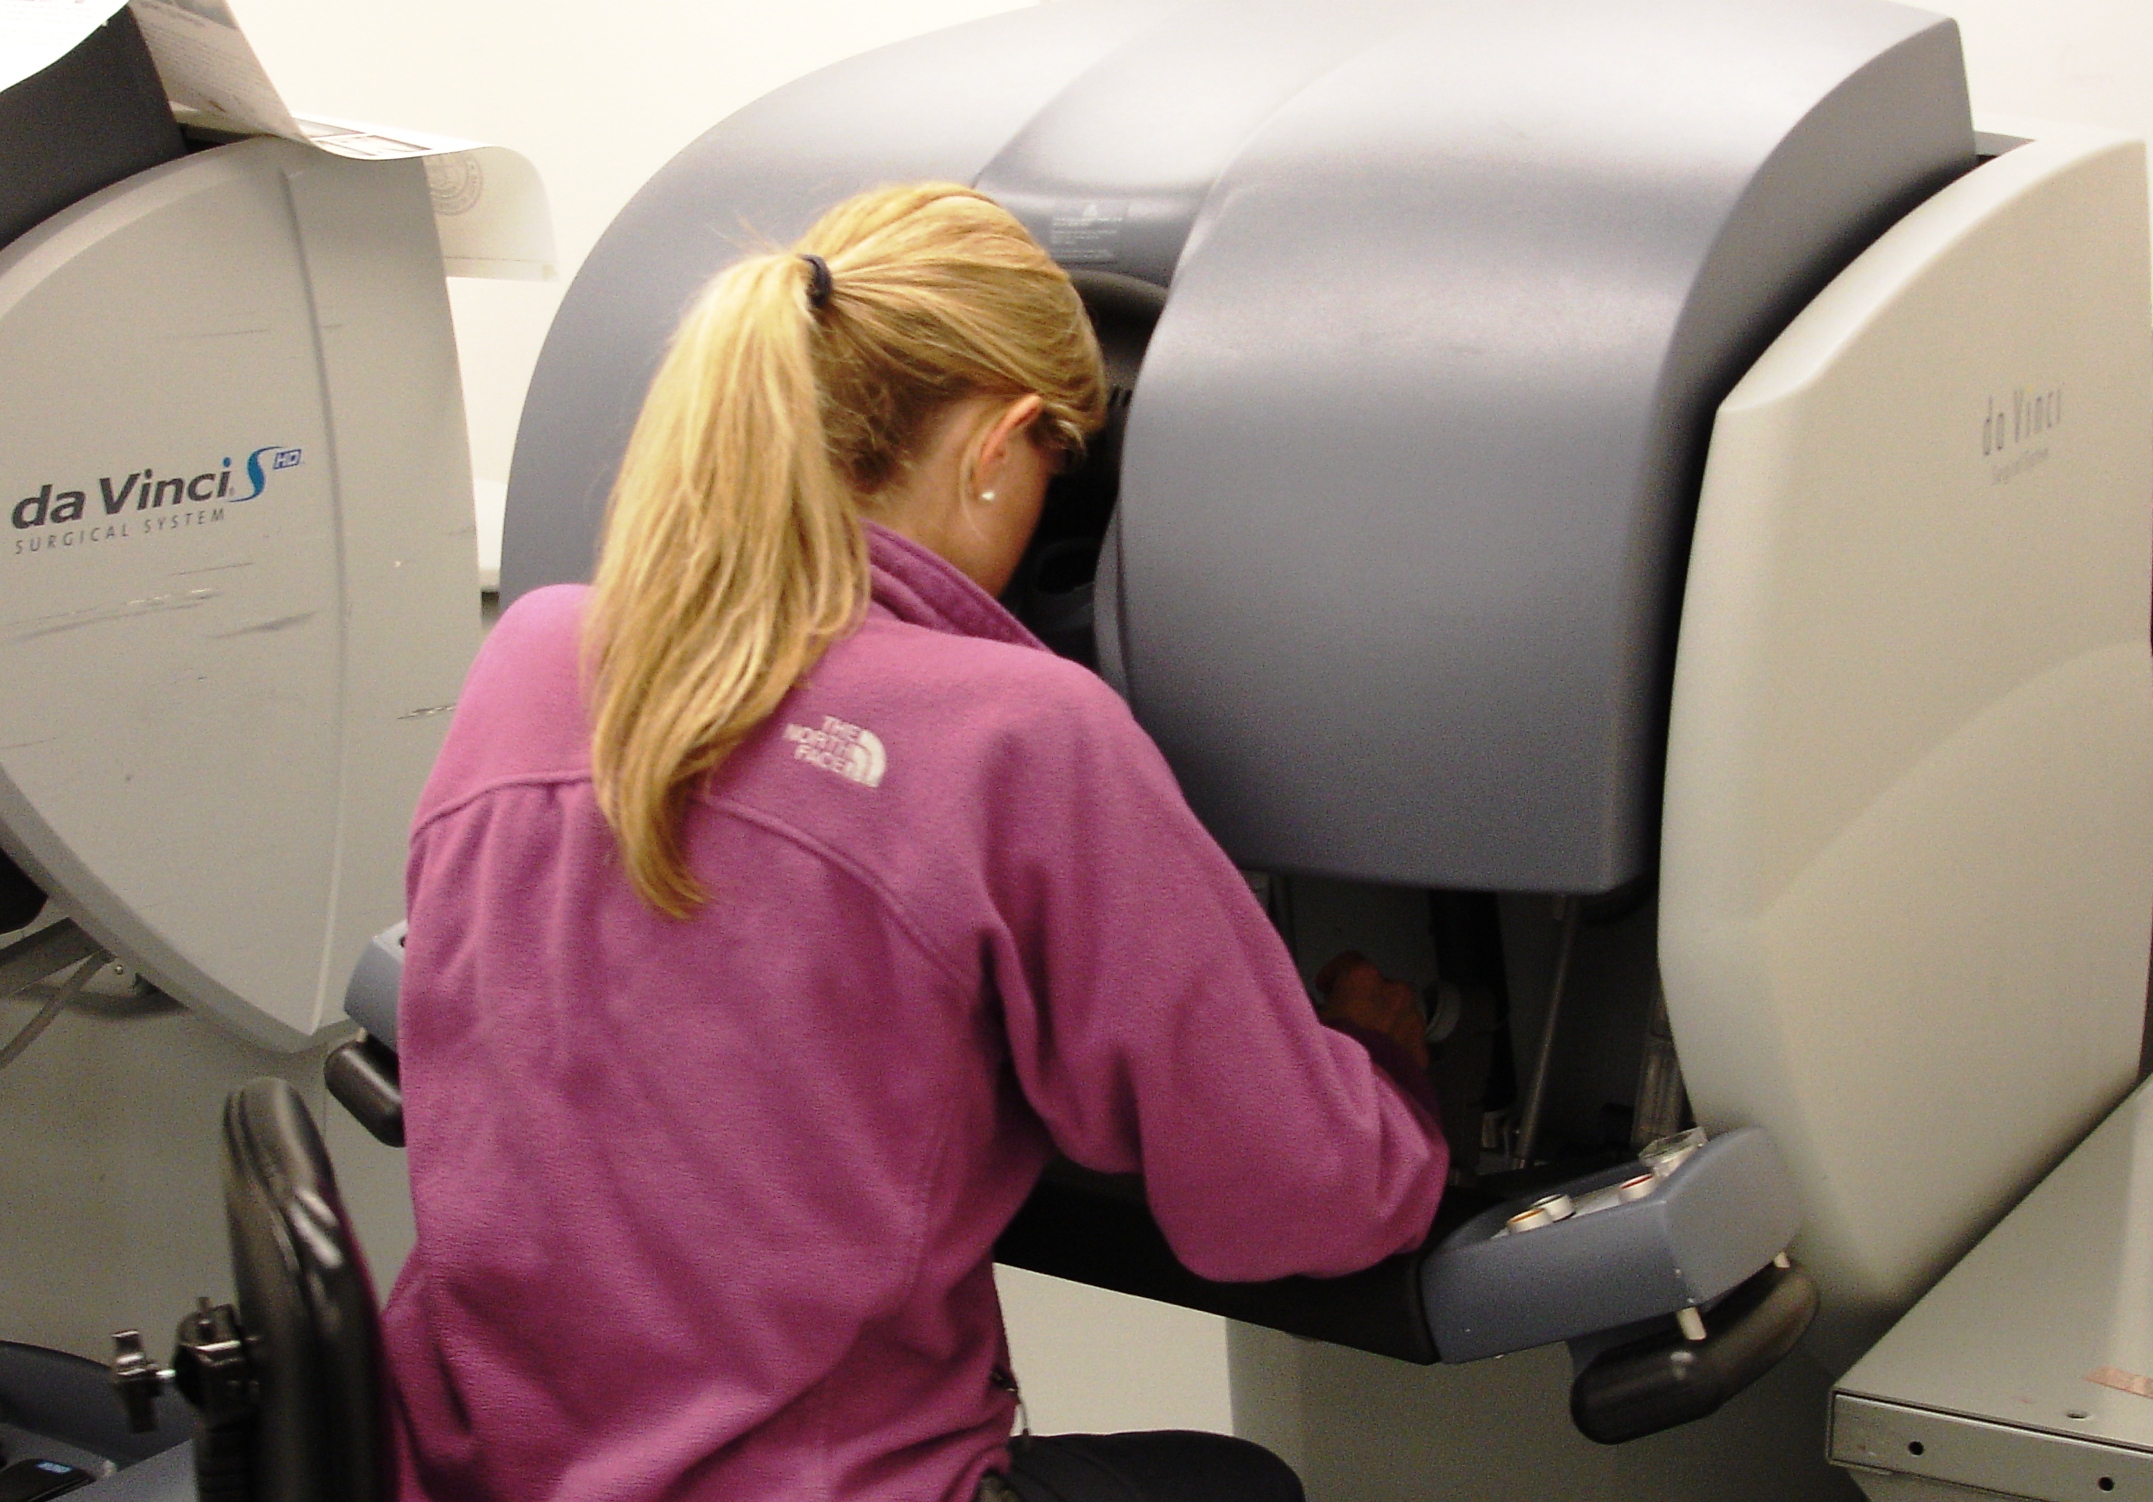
779 908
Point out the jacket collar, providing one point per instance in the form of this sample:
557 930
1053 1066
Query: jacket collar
922 589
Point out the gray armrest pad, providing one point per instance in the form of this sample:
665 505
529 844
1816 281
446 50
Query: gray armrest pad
370 997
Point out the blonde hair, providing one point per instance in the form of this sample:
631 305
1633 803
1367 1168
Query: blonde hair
733 554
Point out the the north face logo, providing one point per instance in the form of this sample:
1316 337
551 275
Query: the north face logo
852 753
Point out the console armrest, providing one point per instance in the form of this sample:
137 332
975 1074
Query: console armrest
1628 1244
370 995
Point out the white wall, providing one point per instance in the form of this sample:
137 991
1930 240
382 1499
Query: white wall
1092 1362
2086 60
599 97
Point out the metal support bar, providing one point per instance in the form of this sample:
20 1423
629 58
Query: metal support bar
1536 1097
54 947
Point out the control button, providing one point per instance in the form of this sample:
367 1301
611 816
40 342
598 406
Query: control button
1630 1190
1543 1212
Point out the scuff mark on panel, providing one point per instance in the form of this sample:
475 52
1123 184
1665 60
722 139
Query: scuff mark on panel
75 620
262 628
195 336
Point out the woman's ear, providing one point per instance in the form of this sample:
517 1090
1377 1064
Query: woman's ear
1010 425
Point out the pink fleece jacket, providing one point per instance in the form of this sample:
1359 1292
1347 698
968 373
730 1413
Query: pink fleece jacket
706 1208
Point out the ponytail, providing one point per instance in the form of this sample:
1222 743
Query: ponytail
794 392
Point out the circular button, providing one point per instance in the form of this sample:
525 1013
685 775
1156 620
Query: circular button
1635 1189
1543 1212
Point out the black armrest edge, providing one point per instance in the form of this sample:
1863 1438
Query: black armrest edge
1090 1228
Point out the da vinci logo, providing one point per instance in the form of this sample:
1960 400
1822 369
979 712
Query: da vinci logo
142 502
2015 431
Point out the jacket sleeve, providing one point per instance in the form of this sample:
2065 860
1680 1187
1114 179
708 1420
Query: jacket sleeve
1157 1024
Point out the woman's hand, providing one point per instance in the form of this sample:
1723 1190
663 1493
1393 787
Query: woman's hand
1355 992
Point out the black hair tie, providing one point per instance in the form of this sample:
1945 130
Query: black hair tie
819 285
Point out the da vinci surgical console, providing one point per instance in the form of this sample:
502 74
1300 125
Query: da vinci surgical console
1631 511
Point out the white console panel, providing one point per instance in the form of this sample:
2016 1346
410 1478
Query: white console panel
1908 840
237 577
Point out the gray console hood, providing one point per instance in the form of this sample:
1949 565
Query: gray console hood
1451 293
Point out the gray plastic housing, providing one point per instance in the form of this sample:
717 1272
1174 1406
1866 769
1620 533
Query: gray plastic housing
1729 1209
1410 465
372 993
